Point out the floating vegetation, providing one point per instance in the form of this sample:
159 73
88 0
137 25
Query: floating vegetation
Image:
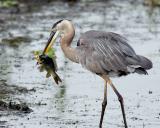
152 2
8 3
15 41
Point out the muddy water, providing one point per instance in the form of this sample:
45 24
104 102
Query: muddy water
77 102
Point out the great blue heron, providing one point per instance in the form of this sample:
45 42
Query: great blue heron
106 54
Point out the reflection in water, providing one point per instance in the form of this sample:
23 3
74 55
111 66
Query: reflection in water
153 11
7 57
60 96
3 90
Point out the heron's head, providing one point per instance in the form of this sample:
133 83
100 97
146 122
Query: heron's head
60 28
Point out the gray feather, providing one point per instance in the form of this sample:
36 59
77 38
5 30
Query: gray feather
107 52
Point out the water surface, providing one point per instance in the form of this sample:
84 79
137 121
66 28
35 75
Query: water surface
77 102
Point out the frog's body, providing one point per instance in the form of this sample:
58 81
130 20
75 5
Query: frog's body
50 66
47 62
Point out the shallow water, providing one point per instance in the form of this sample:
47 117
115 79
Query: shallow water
77 102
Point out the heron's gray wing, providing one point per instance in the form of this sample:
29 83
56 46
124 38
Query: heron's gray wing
107 52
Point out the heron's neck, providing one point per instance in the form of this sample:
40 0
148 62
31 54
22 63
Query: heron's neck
66 41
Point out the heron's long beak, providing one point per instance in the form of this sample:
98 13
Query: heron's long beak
51 41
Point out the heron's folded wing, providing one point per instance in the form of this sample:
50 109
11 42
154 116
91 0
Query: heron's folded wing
106 51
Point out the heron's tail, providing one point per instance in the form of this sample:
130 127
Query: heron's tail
145 64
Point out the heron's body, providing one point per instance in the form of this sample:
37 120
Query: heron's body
113 55
103 53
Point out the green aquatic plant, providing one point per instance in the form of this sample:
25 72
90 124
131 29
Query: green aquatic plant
8 3
50 53
153 2
47 62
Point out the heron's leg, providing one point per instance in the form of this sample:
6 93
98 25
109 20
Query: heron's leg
120 98
104 104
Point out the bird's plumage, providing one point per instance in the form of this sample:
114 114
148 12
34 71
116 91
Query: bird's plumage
109 53
103 53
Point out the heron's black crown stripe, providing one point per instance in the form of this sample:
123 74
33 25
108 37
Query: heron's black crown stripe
54 25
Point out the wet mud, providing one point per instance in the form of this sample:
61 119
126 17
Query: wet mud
12 106
76 103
